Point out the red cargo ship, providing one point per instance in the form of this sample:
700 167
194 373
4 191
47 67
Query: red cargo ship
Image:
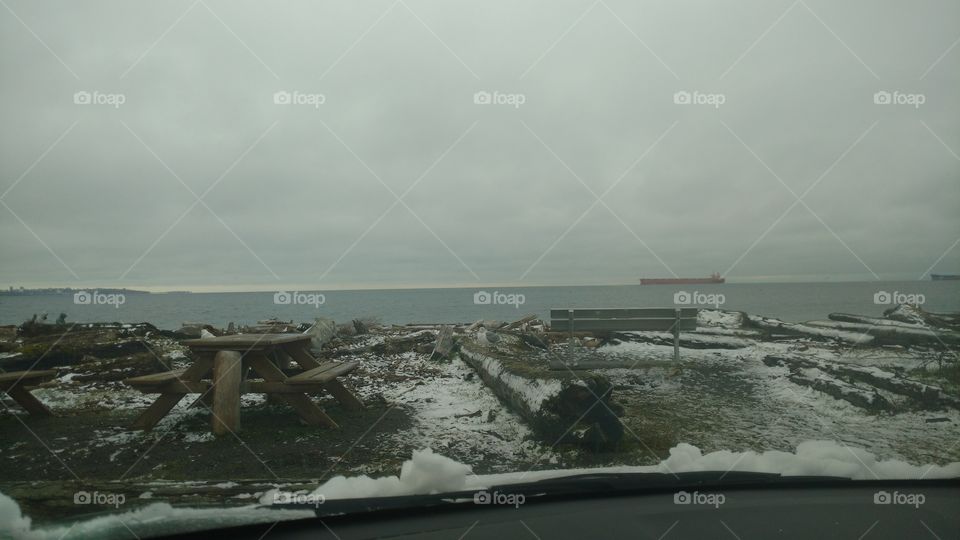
714 278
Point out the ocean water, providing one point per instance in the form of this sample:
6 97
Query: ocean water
793 302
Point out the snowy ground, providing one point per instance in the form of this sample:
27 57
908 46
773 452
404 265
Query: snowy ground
729 399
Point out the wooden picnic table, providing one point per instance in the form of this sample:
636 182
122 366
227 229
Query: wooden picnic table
230 361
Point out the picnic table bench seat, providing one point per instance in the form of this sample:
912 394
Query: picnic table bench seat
155 379
324 373
15 384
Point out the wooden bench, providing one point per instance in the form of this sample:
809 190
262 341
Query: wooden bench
625 320
15 384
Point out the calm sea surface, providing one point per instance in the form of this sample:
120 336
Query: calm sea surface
788 301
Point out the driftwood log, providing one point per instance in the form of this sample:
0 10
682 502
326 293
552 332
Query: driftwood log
803 369
443 346
560 407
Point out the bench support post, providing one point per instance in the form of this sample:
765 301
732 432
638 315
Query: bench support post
676 336
570 356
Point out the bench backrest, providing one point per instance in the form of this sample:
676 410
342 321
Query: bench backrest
622 319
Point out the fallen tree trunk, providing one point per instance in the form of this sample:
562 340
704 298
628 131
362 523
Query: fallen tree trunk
820 381
558 406
927 396
688 340
777 326
890 332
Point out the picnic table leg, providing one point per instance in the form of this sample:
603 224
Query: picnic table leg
301 355
227 373
28 401
204 400
343 395
306 360
305 407
156 411
166 402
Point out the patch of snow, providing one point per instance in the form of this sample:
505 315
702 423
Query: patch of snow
157 519
533 392
424 473
719 317
427 473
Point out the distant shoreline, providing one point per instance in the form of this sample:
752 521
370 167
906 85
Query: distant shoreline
52 291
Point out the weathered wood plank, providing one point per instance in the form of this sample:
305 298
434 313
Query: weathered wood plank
244 342
227 373
25 378
324 373
444 344
155 379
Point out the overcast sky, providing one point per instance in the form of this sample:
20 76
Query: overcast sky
787 169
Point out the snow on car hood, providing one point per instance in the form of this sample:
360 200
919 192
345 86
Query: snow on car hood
427 472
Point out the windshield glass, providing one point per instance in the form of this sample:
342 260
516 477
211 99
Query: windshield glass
259 256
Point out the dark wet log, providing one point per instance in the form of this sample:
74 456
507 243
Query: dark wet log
560 406
926 396
854 395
